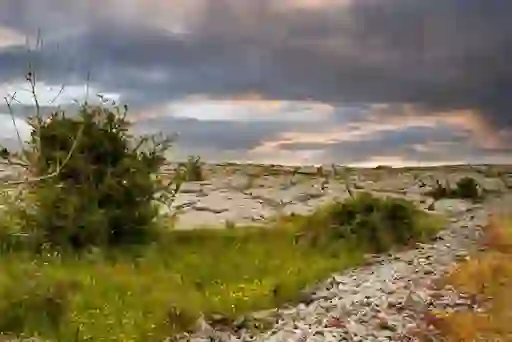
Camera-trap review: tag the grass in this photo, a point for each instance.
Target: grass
(151, 292)
(487, 280)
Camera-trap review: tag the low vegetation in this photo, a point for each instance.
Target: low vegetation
(487, 280)
(372, 223)
(85, 256)
(466, 188)
(162, 288)
(192, 169)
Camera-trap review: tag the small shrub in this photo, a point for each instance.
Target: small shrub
(193, 169)
(467, 188)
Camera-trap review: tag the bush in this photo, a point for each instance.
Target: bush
(467, 188)
(377, 224)
(193, 171)
(102, 192)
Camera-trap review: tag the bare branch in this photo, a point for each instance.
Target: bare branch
(58, 94)
(11, 113)
(7, 158)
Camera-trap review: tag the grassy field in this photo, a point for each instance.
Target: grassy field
(487, 279)
(147, 293)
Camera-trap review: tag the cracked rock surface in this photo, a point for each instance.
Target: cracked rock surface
(250, 194)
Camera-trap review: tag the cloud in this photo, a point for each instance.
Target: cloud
(21, 93)
(209, 65)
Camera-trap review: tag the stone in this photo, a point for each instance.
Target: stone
(416, 301)
(308, 170)
(191, 188)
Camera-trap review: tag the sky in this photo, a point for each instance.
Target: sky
(355, 82)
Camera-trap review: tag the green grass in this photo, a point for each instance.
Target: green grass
(148, 293)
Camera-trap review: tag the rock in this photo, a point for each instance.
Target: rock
(308, 170)
(456, 206)
(416, 301)
(493, 184)
(202, 327)
(209, 209)
(191, 188)
(304, 197)
(385, 323)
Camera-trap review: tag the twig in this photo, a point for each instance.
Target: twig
(11, 113)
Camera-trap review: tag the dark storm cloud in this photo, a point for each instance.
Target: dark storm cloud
(441, 53)
(438, 54)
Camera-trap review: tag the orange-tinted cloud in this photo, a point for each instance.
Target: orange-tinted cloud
(10, 37)
(482, 133)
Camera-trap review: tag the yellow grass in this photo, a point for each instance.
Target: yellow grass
(487, 279)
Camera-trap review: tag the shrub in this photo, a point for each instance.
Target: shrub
(377, 224)
(193, 170)
(467, 187)
(97, 189)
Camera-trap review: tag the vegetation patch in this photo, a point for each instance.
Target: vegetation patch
(466, 188)
(192, 169)
(372, 223)
(487, 280)
(152, 291)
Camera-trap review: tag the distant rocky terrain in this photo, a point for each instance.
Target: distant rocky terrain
(250, 194)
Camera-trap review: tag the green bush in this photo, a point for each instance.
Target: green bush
(467, 188)
(375, 223)
(96, 182)
(193, 171)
